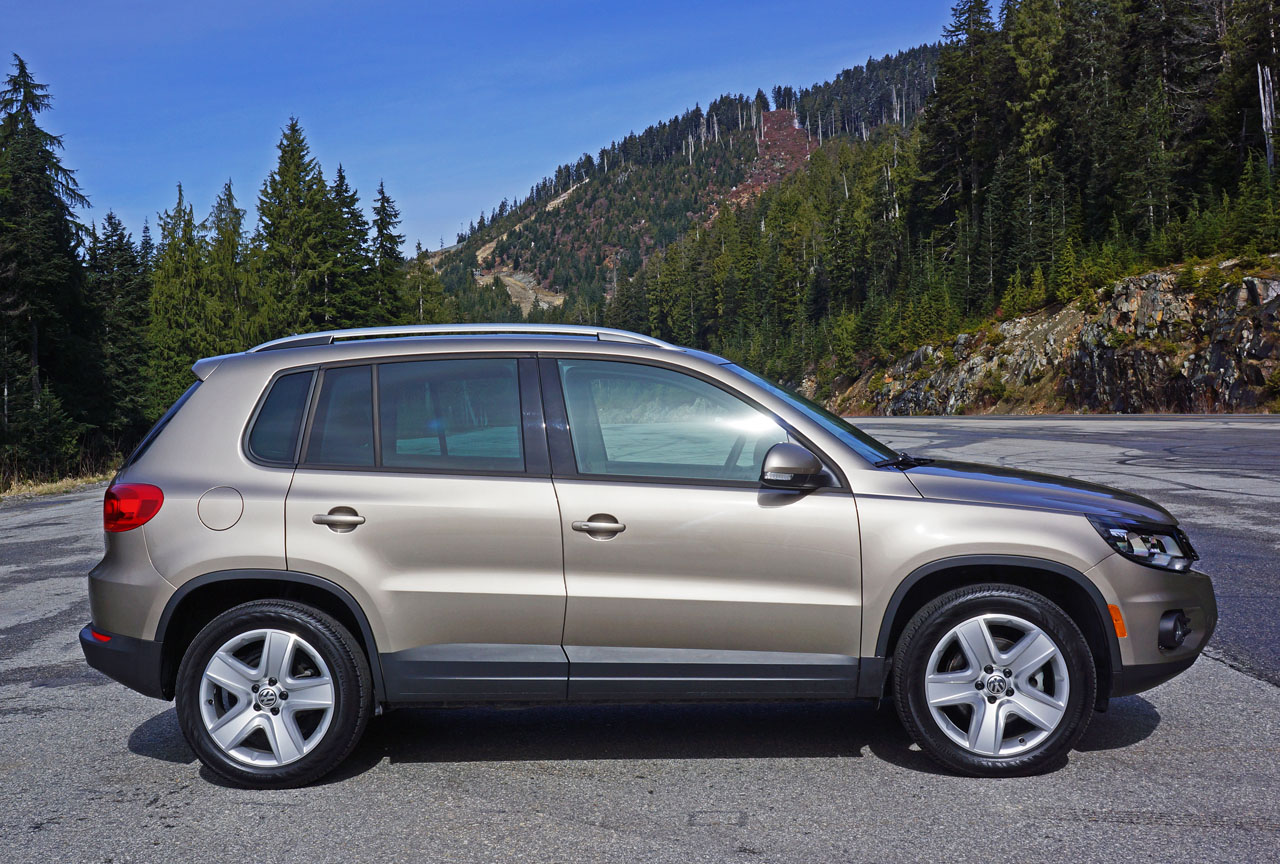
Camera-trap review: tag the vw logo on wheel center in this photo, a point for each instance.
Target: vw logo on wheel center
(996, 685)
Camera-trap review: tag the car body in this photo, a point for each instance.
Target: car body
(521, 513)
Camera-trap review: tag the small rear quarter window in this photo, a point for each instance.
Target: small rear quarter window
(274, 436)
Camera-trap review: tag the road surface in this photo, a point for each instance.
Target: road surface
(90, 771)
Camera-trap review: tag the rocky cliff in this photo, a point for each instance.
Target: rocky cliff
(1168, 341)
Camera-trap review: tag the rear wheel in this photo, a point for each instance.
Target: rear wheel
(994, 680)
(273, 693)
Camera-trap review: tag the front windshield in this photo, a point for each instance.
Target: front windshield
(862, 443)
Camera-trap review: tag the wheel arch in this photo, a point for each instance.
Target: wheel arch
(1064, 585)
(200, 600)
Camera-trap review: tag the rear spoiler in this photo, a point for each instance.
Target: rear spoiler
(204, 368)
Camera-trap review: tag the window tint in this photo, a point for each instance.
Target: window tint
(274, 437)
(342, 431)
(643, 421)
(450, 414)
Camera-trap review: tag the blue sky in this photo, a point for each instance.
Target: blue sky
(455, 106)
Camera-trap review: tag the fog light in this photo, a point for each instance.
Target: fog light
(1175, 626)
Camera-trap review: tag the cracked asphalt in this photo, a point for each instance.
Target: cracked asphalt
(90, 771)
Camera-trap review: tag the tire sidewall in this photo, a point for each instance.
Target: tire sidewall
(938, 619)
(352, 692)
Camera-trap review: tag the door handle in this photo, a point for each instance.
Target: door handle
(340, 519)
(599, 524)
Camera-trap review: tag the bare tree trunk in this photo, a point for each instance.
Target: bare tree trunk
(35, 359)
(1266, 96)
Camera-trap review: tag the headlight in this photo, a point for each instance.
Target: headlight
(1163, 546)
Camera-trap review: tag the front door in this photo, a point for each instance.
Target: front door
(418, 492)
(686, 578)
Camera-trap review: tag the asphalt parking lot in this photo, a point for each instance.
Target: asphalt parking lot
(90, 771)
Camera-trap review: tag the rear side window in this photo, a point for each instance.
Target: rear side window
(275, 432)
(342, 430)
(459, 415)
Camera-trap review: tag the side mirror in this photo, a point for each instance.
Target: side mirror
(790, 466)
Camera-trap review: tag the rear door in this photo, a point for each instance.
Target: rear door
(424, 489)
(686, 578)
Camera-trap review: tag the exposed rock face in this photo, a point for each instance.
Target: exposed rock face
(1151, 345)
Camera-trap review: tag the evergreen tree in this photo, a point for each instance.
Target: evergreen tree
(425, 293)
(39, 240)
(179, 305)
(349, 295)
(119, 291)
(290, 236)
(388, 261)
(231, 317)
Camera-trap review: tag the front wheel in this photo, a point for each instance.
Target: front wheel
(994, 680)
(273, 694)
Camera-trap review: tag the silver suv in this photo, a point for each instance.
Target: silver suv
(332, 524)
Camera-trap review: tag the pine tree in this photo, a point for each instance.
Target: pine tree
(1065, 281)
(348, 292)
(963, 109)
(629, 308)
(230, 313)
(290, 236)
(39, 239)
(1014, 301)
(179, 314)
(1037, 293)
(119, 290)
(388, 261)
(425, 293)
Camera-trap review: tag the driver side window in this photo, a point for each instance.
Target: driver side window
(633, 420)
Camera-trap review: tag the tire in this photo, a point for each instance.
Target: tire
(273, 694)
(1015, 724)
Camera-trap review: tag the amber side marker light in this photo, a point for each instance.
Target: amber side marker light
(1118, 620)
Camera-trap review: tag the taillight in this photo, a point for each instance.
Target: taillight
(129, 505)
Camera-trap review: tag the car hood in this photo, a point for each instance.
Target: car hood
(990, 484)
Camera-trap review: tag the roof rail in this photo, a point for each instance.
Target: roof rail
(604, 334)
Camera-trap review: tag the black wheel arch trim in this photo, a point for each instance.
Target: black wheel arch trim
(1020, 561)
(337, 591)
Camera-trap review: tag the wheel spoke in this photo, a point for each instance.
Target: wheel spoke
(310, 697)
(1032, 651)
(975, 642)
(986, 729)
(228, 672)
(1037, 708)
(951, 688)
(234, 726)
(277, 654)
(285, 739)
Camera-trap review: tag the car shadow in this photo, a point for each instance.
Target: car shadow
(161, 738)
(557, 733)
(1126, 722)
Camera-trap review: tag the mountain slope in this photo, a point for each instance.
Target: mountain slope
(596, 221)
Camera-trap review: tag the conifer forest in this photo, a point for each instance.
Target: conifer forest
(1041, 150)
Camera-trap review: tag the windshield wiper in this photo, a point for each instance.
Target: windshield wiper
(903, 460)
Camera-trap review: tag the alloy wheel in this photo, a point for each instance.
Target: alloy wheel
(997, 685)
(267, 697)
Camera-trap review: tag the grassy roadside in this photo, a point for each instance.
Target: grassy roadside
(31, 488)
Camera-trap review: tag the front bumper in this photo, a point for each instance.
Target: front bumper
(1144, 595)
(133, 662)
